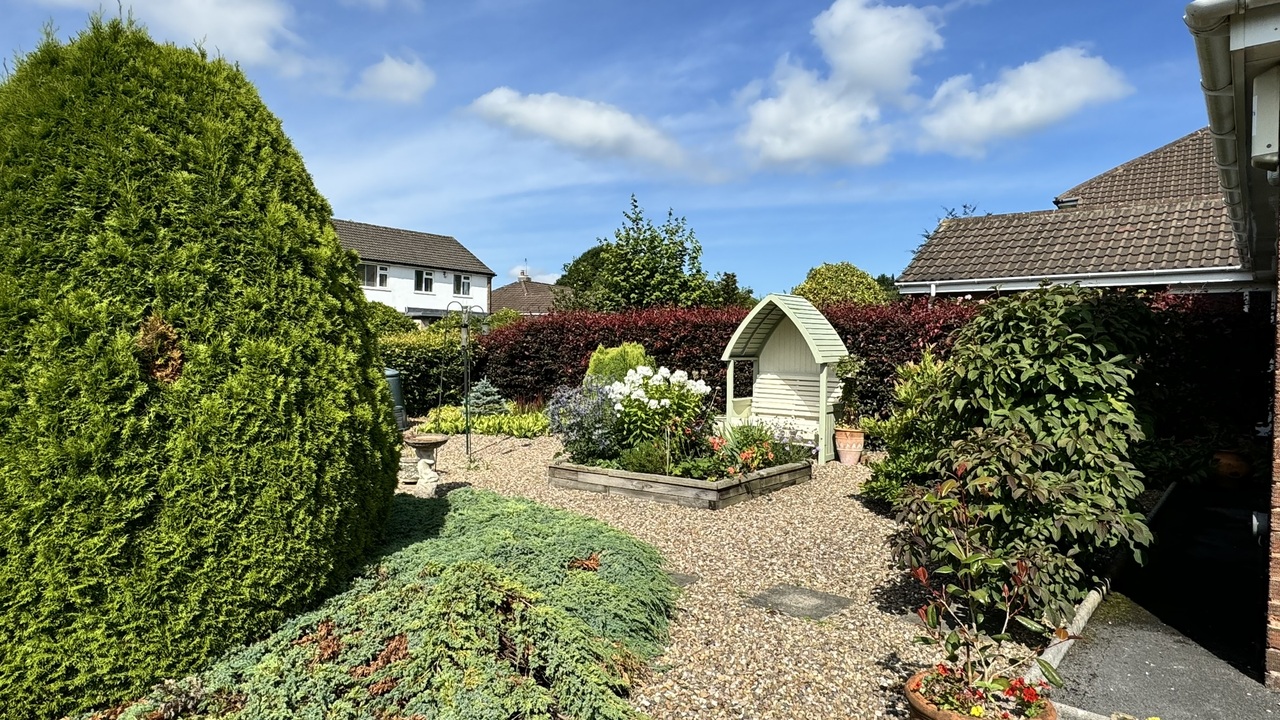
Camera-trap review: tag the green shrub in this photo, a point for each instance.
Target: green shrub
(610, 365)
(386, 320)
(1036, 408)
(431, 368)
(842, 282)
(493, 607)
(914, 434)
(196, 440)
(484, 399)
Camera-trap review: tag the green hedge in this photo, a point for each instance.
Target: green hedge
(196, 440)
(493, 607)
(431, 367)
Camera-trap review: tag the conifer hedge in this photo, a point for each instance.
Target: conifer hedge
(195, 437)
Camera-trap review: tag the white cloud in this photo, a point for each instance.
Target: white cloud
(253, 32)
(871, 50)
(382, 4)
(535, 274)
(586, 126)
(962, 120)
(395, 80)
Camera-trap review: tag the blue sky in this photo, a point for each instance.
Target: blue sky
(789, 132)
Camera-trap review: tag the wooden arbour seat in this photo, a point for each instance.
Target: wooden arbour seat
(793, 350)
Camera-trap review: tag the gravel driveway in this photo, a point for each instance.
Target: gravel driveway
(729, 659)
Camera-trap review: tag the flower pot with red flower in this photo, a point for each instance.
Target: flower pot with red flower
(981, 674)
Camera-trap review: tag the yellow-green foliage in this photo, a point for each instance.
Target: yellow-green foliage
(451, 420)
(490, 607)
(842, 282)
(609, 365)
(431, 367)
(196, 440)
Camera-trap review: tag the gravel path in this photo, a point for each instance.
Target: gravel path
(728, 659)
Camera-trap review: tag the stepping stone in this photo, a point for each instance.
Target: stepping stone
(683, 579)
(800, 602)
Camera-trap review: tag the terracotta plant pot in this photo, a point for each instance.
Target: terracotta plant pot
(849, 445)
(922, 709)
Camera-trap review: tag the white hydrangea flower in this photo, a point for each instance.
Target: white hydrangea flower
(638, 394)
(657, 380)
(644, 371)
(665, 402)
(679, 376)
(617, 406)
(653, 404)
(664, 372)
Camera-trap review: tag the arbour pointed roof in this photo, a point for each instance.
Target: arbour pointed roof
(754, 331)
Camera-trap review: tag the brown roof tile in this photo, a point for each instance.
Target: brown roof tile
(1170, 236)
(376, 243)
(526, 296)
(1183, 169)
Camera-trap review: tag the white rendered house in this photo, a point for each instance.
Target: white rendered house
(420, 274)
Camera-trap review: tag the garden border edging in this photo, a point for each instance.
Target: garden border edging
(671, 490)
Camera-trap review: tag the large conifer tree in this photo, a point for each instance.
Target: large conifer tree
(195, 437)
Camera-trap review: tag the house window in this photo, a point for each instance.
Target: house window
(461, 284)
(424, 281)
(372, 275)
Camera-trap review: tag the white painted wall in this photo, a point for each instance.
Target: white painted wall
(399, 292)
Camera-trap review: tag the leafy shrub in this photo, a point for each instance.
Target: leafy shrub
(386, 320)
(660, 407)
(648, 457)
(583, 417)
(451, 420)
(493, 607)
(484, 399)
(431, 368)
(1036, 408)
(610, 365)
(842, 282)
(195, 436)
(914, 434)
(751, 446)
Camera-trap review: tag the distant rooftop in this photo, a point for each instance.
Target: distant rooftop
(376, 243)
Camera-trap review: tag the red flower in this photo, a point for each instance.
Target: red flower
(1030, 694)
(943, 670)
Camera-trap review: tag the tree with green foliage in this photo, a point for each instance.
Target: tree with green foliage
(386, 320)
(196, 440)
(646, 266)
(842, 282)
(886, 283)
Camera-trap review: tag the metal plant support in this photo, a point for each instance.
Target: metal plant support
(466, 361)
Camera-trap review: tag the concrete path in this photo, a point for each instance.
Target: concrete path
(1128, 661)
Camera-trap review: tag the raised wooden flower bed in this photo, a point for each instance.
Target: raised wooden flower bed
(704, 494)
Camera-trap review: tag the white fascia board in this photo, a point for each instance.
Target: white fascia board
(1190, 276)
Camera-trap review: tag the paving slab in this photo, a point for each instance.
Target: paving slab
(683, 579)
(800, 602)
(1128, 661)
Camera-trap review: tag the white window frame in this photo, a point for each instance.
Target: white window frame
(379, 276)
(427, 277)
(461, 285)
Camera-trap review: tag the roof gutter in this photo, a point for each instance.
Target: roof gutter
(1233, 275)
(1210, 25)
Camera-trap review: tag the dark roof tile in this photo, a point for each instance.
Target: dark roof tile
(526, 296)
(376, 243)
